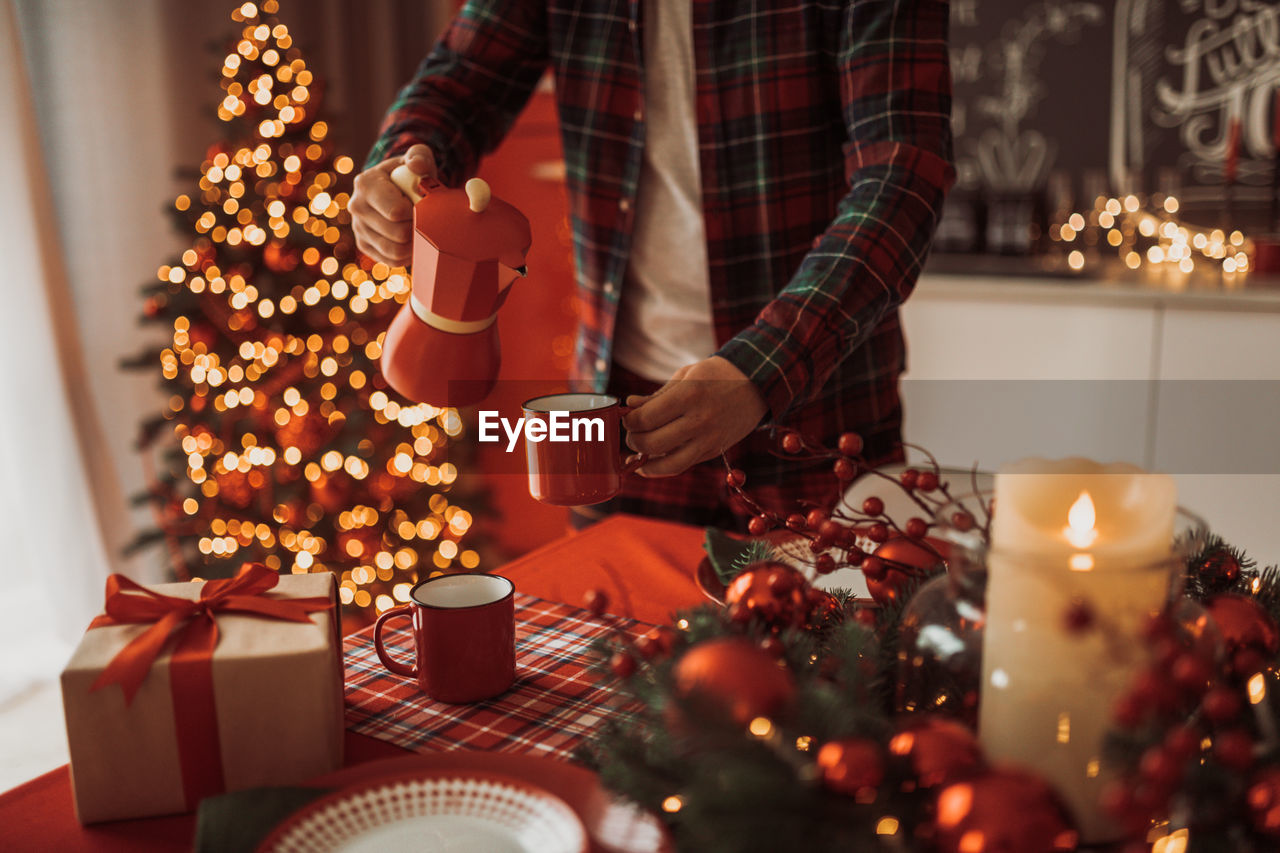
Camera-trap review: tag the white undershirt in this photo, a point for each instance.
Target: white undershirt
(664, 319)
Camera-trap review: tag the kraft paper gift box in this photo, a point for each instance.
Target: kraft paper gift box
(264, 707)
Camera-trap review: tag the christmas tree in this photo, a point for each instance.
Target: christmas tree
(281, 442)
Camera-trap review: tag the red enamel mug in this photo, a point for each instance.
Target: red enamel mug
(578, 458)
(463, 637)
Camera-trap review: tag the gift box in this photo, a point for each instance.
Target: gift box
(181, 691)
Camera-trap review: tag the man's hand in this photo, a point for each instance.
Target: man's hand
(381, 215)
(703, 410)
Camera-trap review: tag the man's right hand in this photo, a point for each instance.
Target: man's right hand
(381, 215)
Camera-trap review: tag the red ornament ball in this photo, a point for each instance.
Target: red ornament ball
(939, 750)
(844, 470)
(759, 525)
(1264, 802)
(772, 593)
(734, 677)
(927, 481)
(873, 506)
(792, 443)
(735, 477)
(909, 478)
(852, 766)
(825, 564)
(904, 560)
(1244, 624)
(1002, 810)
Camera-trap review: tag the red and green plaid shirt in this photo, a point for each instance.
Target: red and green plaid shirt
(825, 152)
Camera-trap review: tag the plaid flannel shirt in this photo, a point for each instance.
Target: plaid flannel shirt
(825, 153)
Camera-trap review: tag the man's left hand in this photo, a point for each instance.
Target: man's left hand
(706, 408)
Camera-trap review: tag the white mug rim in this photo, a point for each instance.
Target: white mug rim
(527, 405)
(413, 593)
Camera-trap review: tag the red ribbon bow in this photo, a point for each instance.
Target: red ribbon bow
(194, 626)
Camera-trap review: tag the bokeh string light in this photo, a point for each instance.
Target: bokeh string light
(1147, 233)
(290, 449)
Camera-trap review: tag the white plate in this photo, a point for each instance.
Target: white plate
(449, 813)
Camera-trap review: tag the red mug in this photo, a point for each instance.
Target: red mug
(463, 637)
(579, 459)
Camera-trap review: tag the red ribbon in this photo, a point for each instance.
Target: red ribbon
(194, 628)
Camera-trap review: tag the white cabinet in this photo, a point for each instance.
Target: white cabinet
(1187, 383)
(995, 379)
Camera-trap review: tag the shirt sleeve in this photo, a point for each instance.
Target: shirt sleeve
(895, 90)
(468, 91)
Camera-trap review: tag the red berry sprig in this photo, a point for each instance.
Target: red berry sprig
(832, 533)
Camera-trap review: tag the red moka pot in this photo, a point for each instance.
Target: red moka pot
(468, 249)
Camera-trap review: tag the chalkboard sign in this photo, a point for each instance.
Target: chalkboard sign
(1194, 98)
(1056, 102)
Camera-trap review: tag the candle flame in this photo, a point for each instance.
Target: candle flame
(1080, 530)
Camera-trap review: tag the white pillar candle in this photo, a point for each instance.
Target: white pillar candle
(1062, 531)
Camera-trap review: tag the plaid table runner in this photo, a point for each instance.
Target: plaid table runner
(555, 702)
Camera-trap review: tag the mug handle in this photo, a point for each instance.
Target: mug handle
(387, 661)
(637, 460)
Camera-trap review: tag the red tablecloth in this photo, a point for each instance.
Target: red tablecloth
(645, 566)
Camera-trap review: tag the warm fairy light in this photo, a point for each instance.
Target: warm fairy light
(1257, 688)
(1080, 530)
(761, 727)
(673, 804)
(887, 825)
(1175, 842)
(1075, 260)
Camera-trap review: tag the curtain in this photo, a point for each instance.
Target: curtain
(105, 101)
(54, 556)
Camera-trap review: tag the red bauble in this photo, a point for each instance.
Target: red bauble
(1244, 625)
(852, 766)
(905, 561)
(771, 593)
(1264, 802)
(1002, 810)
(939, 750)
(734, 677)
